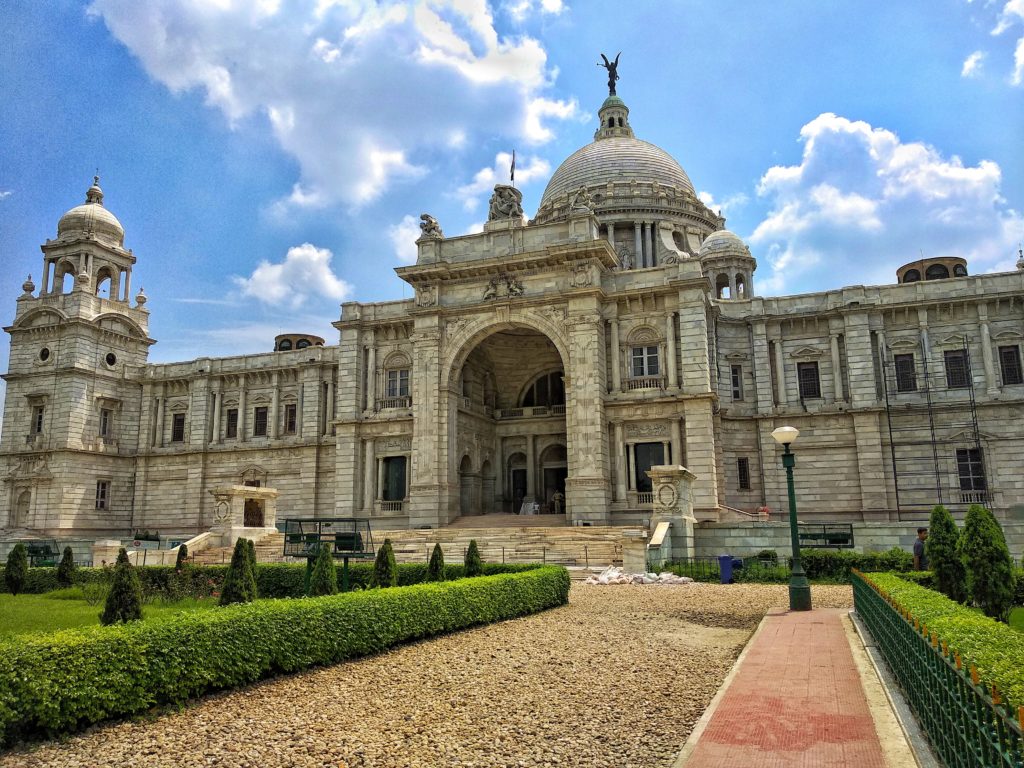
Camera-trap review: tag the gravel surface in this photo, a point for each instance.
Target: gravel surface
(617, 678)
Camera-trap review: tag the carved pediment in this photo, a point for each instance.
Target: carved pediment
(178, 406)
(807, 353)
(737, 357)
(644, 335)
(958, 340)
(1008, 335)
(903, 344)
(967, 436)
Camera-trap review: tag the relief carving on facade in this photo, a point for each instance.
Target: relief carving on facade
(503, 286)
(581, 276)
(426, 296)
(647, 429)
(395, 444)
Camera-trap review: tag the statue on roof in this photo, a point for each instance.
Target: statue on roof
(613, 71)
(506, 203)
(429, 227)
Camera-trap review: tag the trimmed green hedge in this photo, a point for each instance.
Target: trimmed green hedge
(65, 680)
(272, 579)
(836, 564)
(993, 647)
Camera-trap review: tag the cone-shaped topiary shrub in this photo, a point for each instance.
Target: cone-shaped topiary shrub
(250, 559)
(385, 569)
(124, 601)
(987, 563)
(66, 568)
(435, 568)
(474, 565)
(182, 557)
(324, 578)
(239, 582)
(943, 555)
(16, 570)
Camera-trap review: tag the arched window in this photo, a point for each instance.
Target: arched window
(936, 272)
(546, 390)
(302, 343)
(396, 376)
(722, 289)
(105, 283)
(285, 345)
(644, 354)
(911, 276)
(741, 287)
(959, 271)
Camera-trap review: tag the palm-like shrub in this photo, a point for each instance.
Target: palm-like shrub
(324, 578)
(66, 568)
(240, 580)
(987, 562)
(944, 556)
(385, 569)
(474, 565)
(16, 570)
(435, 568)
(124, 601)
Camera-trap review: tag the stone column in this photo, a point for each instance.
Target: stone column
(780, 372)
(127, 285)
(732, 284)
(46, 277)
(665, 451)
(630, 463)
(616, 356)
(275, 404)
(241, 409)
(369, 475)
(329, 408)
(429, 493)
(159, 442)
(638, 259)
(670, 364)
(676, 434)
(620, 463)
(531, 485)
(649, 244)
(837, 369)
(991, 384)
(371, 379)
(700, 455)
(218, 398)
(611, 235)
(380, 477)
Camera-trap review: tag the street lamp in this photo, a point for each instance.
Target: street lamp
(799, 587)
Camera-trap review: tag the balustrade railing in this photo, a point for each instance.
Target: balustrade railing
(385, 403)
(391, 506)
(644, 382)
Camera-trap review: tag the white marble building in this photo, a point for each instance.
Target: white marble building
(618, 329)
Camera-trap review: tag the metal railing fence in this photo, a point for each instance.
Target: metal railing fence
(968, 725)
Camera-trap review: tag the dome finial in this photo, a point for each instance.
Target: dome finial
(94, 194)
(613, 71)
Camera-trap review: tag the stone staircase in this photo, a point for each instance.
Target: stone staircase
(594, 546)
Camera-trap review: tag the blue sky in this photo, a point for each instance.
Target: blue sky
(269, 159)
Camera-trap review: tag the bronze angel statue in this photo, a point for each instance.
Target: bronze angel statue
(613, 71)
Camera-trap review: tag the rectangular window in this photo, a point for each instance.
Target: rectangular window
(394, 478)
(231, 428)
(737, 382)
(178, 428)
(743, 468)
(102, 494)
(37, 419)
(645, 361)
(106, 422)
(647, 455)
(958, 372)
(810, 383)
(1009, 365)
(970, 469)
(398, 384)
(289, 418)
(259, 421)
(906, 373)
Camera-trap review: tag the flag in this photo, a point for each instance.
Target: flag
(512, 170)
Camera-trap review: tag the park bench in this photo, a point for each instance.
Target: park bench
(825, 535)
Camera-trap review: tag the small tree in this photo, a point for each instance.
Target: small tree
(324, 578)
(474, 565)
(182, 558)
(66, 568)
(124, 601)
(943, 555)
(239, 584)
(385, 569)
(16, 570)
(250, 552)
(987, 563)
(435, 568)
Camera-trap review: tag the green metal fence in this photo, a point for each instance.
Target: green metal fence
(967, 724)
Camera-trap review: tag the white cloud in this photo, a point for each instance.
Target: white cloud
(520, 10)
(305, 273)
(403, 236)
(528, 169)
(5, 193)
(728, 204)
(359, 93)
(1012, 15)
(862, 202)
(972, 65)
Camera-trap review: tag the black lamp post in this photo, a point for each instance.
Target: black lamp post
(799, 587)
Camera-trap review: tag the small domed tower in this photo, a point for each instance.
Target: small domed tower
(727, 263)
(73, 398)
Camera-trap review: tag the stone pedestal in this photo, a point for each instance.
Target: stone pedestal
(673, 503)
(229, 514)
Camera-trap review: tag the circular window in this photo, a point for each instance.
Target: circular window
(44, 354)
(111, 358)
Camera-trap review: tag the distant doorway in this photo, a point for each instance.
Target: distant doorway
(253, 513)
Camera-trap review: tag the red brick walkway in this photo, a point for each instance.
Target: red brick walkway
(796, 701)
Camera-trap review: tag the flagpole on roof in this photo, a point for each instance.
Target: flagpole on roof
(512, 170)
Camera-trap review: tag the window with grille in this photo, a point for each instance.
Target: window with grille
(102, 494)
(178, 428)
(37, 419)
(737, 382)
(743, 468)
(1009, 365)
(290, 410)
(906, 373)
(106, 422)
(971, 469)
(810, 383)
(958, 373)
(645, 361)
(398, 382)
(231, 427)
(259, 421)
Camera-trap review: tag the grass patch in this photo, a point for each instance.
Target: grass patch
(68, 609)
(1017, 619)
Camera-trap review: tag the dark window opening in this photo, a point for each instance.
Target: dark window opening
(911, 276)
(647, 455)
(936, 272)
(959, 271)
(259, 421)
(285, 345)
(102, 494)
(231, 428)
(645, 361)
(302, 344)
(111, 358)
(44, 354)
(547, 390)
(1009, 365)
(178, 428)
(971, 469)
(958, 372)
(737, 382)
(906, 373)
(810, 382)
(743, 469)
(290, 410)
(37, 419)
(394, 478)
(106, 422)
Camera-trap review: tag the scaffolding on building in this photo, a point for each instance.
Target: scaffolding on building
(934, 441)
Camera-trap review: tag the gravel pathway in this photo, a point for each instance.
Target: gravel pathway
(617, 678)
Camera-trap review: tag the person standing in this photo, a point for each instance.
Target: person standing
(920, 555)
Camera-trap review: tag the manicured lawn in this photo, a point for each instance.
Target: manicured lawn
(66, 609)
(1017, 619)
